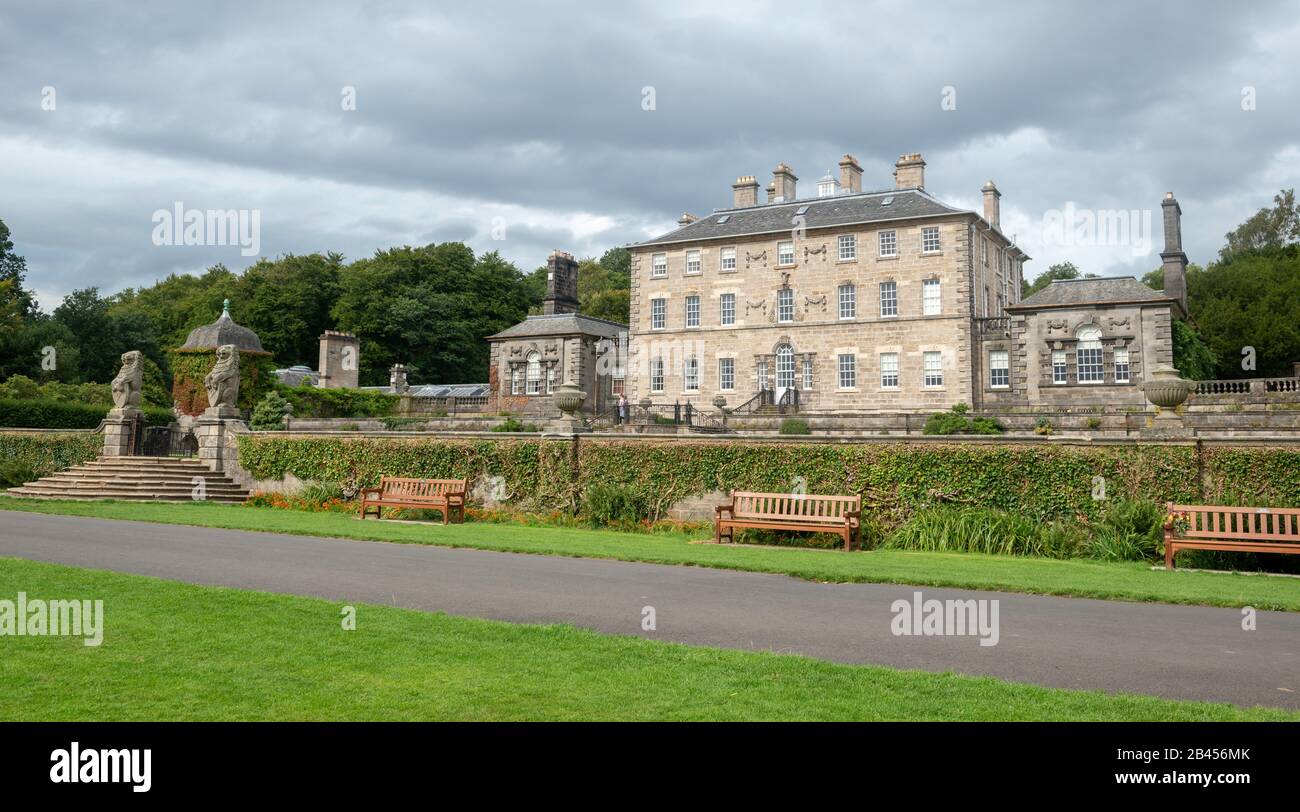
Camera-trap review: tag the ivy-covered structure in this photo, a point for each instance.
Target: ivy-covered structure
(195, 358)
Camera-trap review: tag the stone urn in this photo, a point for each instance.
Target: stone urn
(569, 398)
(1165, 389)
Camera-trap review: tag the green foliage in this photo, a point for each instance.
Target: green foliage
(310, 401)
(1192, 356)
(967, 530)
(1094, 423)
(1043, 426)
(513, 424)
(614, 506)
(14, 473)
(45, 453)
(43, 413)
(1249, 301)
(190, 367)
(1266, 230)
(1129, 530)
(1060, 271)
(270, 412)
(955, 422)
(795, 425)
(20, 387)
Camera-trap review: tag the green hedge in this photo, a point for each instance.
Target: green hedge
(309, 401)
(1255, 475)
(56, 414)
(47, 453)
(896, 479)
(534, 473)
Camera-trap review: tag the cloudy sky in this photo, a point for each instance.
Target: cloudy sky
(523, 127)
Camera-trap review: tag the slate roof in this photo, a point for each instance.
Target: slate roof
(1105, 290)
(837, 210)
(221, 332)
(561, 324)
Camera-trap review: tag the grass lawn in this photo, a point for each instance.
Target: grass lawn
(1081, 578)
(174, 651)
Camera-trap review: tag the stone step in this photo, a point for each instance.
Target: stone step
(143, 496)
(167, 487)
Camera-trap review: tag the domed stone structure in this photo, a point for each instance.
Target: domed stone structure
(192, 361)
(221, 332)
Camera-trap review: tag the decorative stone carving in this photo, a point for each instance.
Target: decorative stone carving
(759, 305)
(1114, 322)
(129, 382)
(807, 251)
(811, 301)
(1055, 325)
(222, 382)
(1166, 389)
(760, 256)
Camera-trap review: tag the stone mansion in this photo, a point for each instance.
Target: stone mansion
(891, 300)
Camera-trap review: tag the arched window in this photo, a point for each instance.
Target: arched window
(534, 373)
(1088, 354)
(784, 366)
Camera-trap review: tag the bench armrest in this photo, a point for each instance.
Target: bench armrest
(721, 509)
(365, 491)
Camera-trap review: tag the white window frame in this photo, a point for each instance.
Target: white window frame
(1093, 371)
(888, 299)
(999, 369)
(931, 297)
(807, 373)
(727, 258)
(533, 376)
(658, 266)
(847, 367)
(690, 374)
(727, 309)
(781, 249)
(785, 305)
(658, 313)
(1060, 368)
(1122, 367)
(889, 376)
(932, 369)
(657, 374)
(848, 301)
(517, 380)
(692, 310)
(785, 377)
(694, 264)
(727, 374)
(930, 241)
(888, 243)
(848, 245)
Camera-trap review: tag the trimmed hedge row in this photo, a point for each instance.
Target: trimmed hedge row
(896, 479)
(533, 473)
(47, 453)
(57, 414)
(310, 401)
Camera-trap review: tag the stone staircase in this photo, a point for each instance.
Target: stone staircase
(165, 479)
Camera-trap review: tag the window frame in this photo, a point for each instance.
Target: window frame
(890, 285)
(727, 374)
(849, 241)
(886, 370)
(698, 262)
(926, 285)
(723, 258)
(932, 378)
(783, 293)
(846, 365)
(926, 233)
(658, 270)
(848, 301)
(780, 253)
(658, 313)
(892, 240)
(723, 300)
(1002, 380)
(691, 307)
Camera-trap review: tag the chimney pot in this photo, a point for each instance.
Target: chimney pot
(909, 172)
(783, 181)
(744, 192)
(992, 205)
(850, 174)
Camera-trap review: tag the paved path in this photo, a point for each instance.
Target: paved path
(1186, 652)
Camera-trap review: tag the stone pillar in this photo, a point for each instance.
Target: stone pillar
(119, 431)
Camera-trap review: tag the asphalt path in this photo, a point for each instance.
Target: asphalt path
(1181, 652)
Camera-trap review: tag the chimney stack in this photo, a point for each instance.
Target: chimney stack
(340, 360)
(771, 192)
(1175, 261)
(686, 219)
(783, 181)
(909, 172)
(561, 284)
(993, 205)
(744, 192)
(850, 174)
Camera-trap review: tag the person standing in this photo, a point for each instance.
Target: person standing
(622, 408)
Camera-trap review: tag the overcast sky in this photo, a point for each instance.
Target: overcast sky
(522, 127)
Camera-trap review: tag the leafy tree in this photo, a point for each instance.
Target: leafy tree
(1249, 301)
(1059, 271)
(1266, 230)
(287, 302)
(15, 300)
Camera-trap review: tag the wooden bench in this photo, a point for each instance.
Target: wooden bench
(1232, 529)
(841, 515)
(446, 495)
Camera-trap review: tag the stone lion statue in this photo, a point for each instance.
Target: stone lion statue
(129, 382)
(223, 381)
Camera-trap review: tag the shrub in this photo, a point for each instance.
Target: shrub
(967, 530)
(270, 412)
(614, 505)
(310, 401)
(512, 424)
(1043, 426)
(43, 413)
(44, 454)
(1094, 423)
(795, 425)
(960, 408)
(16, 472)
(1129, 530)
(955, 422)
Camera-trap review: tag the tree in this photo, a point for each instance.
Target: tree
(14, 298)
(602, 292)
(1266, 230)
(1059, 271)
(287, 302)
(1246, 309)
